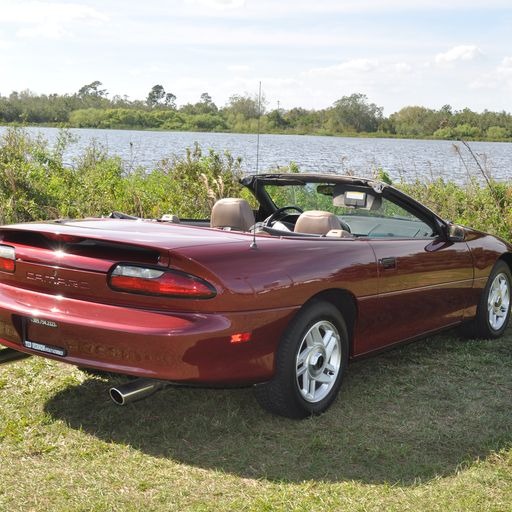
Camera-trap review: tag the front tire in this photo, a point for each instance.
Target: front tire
(493, 312)
(310, 364)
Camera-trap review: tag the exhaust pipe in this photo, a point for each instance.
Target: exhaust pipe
(135, 390)
(9, 355)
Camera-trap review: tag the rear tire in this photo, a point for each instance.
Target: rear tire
(310, 364)
(493, 312)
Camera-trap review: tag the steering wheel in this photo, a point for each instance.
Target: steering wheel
(279, 213)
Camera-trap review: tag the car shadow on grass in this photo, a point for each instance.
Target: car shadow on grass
(407, 415)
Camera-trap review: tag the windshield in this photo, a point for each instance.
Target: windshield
(389, 218)
(305, 196)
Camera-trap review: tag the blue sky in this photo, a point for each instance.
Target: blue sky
(305, 53)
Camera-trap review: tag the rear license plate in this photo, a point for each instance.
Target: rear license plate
(35, 329)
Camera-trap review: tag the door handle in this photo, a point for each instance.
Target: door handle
(387, 263)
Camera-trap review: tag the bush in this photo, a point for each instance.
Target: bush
(35, 184)
(464, 131)
(31, 175)
(187, 186)
(446, 133)
(497, 133)
(481, 207)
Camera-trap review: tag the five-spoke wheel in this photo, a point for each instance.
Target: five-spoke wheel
(493, 311)
(310, 363)
(498, 301)
(318, 361)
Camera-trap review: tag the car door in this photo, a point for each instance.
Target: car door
(424, 281)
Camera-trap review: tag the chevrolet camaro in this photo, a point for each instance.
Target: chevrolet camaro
(279, 289)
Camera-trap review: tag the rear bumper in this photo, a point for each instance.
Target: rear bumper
(188, 347)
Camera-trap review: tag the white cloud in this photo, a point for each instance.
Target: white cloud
(506, 66)
(283, 8)
(46, 30)
(47, 19)
(349, 67)
(264, 9)
(218, 4)
(484, 83)
(500, 77)
(403, 67)
(41, 12)
(504, 74)
(239, 68)
(459, 53)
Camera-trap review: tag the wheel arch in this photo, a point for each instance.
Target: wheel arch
(507, 258)
(346, 304)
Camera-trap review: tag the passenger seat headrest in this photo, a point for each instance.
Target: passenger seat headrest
(233, 213)
(317, 222)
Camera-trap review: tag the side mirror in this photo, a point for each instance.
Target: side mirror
(456, 233)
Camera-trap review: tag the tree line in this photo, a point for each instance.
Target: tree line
(91, 107)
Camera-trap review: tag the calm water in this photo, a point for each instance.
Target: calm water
(407, 159)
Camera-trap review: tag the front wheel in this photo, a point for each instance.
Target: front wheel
(493, 313)
(310, 364)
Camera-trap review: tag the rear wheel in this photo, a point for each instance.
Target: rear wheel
(493, 313)
(310, 364)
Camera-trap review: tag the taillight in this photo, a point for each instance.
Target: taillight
(7, 258)
(154, 281)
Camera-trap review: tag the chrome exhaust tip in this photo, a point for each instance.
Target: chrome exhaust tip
(9, 355)
(134, 390)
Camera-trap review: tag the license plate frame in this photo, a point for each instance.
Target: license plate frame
(40, 346)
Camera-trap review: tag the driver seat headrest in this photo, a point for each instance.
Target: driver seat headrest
(232, 213)
(317, 222)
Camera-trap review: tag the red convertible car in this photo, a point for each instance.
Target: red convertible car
(278, 290)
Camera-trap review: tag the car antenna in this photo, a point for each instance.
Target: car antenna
(254, 245)
(258, 132)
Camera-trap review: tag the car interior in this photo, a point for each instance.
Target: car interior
(340, 210)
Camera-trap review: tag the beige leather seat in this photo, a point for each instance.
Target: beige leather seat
(317, 222)
(232, 213)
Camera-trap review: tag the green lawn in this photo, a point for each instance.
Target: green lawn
(424, 427)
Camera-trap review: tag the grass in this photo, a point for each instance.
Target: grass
(424, 427)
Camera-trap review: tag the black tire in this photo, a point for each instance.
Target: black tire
(493, 314)
(321, 332)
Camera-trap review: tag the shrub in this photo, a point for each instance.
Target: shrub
(35, 185)
(187, 185)
(497, 133)
(30, 176)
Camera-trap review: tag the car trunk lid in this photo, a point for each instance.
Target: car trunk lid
(73, 259)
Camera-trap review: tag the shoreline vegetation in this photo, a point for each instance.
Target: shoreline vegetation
(350, 116)
(36, 184)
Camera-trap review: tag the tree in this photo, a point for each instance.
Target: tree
(91, 96)
(206, 98)
(276, 120)
(155, 95)
(245, 106)
(158, 96)
(170, 100)
(92, 89)
(355, 113)
(204, 106)
(415, 121)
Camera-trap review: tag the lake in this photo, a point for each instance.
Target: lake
(401, 158)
